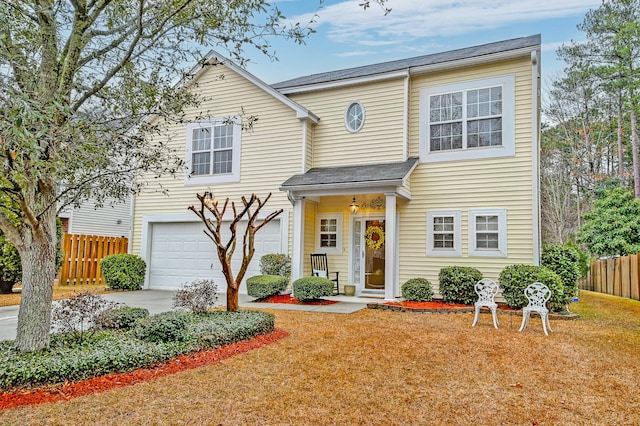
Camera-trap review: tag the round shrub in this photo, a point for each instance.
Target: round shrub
(124, 317)
(515, 278)
(123, 271)
(457, 284)
(262, 286)
(309, 288)
(164, 327)
(275, 264)
(564, 260)
(417, 290)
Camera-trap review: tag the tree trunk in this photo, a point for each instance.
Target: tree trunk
(620, 141)
(232, 298)
(635, 148)
(38, 273)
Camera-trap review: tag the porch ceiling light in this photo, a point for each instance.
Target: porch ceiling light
(354, 206)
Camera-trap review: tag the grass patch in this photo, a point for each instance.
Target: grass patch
(379, 367)
(59, 292)
(109, 351)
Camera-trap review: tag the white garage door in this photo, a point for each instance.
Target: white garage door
(181, 252)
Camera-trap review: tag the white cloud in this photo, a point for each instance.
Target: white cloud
(411, 19)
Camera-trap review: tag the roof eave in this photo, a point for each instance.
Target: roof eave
(474, 61)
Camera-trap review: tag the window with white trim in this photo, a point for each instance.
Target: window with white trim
(473, 119)
(488, 232)
(213, 151)
(444, 236)
(329, 233)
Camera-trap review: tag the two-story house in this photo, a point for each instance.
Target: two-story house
(394, 170)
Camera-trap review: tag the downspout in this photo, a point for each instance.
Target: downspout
(405, 124)
(535, 149)
(304, 145)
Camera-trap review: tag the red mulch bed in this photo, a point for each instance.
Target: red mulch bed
(180, 363)
(290, 300)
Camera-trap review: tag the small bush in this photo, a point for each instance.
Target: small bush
(197, 296)
(123, 271)
(122, 318)
(163, 327)
(417, 290)
(309, 288)
(276, 264)
(564, 260)
(457, 284)
(515, 278)
(76, 315)
(262, 286)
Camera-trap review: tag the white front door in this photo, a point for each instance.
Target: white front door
(368, 254)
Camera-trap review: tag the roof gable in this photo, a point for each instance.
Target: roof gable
(215, 58)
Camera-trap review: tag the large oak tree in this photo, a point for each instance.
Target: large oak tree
(78, 78)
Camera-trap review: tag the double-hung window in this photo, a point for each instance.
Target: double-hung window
(488, 232)
(213, 151)
(329, 236)
(444, 233)
(473, 119)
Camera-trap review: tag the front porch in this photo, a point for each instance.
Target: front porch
(352, 214)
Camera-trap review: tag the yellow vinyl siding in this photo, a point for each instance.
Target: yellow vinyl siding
(505, 183)
(380, 139)
(270, 153)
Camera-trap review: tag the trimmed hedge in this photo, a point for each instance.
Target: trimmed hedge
(123, 271)
(457, 284)
(124, 317)
(309, 288)
(417, 290)
(112, 351)
(515, 278)
(164, 327)
(262, 286)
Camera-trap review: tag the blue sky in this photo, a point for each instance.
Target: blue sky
(348, 36)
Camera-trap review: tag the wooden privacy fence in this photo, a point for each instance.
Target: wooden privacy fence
(82, 256)
(619, 276)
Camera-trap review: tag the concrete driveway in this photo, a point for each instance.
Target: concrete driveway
(157, 301)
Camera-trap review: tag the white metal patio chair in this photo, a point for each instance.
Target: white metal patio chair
(486, 289)
(538, 295)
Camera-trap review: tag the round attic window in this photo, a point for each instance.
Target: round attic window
(354, 116)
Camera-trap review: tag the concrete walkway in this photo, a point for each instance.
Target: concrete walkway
(157, 301)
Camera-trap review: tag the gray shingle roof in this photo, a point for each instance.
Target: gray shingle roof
(367, 173)
(418, 61)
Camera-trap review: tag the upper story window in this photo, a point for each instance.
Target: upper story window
(444, 233)
(213, 152)
(329, 236)
(473, 119)
(354, 116)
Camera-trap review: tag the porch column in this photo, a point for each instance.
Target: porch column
(297, 246)
(390, 263)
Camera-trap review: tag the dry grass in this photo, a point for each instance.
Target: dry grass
(59, 292)
(385, 368)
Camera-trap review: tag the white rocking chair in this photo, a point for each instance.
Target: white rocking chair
(538, 295)
(486, 290)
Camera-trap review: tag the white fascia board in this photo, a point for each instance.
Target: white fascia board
(479, 60)
(301, 112)
(344, 82)
(349, 189)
